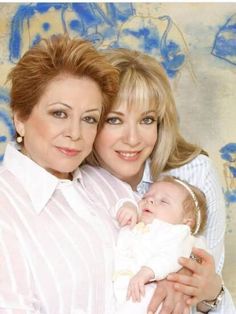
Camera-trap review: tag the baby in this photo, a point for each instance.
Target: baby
(169, 216)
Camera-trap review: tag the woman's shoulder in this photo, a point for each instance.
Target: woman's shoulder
(95, 172)
(104, 181)
(5, 174)
(198, 171)
(201, 162)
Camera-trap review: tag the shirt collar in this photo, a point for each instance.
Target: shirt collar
(147, 177)
(77, 175)
(39, 183)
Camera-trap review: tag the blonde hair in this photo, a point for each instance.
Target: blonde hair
(55, 56)
(143, 82)
(189, 205)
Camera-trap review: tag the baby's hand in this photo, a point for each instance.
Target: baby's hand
(136, 288)
(127, 215)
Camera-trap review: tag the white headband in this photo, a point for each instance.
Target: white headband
(197, 212)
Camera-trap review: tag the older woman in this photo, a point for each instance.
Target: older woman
(55, 248)
(141, 139)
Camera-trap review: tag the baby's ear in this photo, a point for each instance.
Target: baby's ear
(189, 222)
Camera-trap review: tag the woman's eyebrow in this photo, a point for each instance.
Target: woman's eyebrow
(148, 112)
(60, 103)
(116, 112)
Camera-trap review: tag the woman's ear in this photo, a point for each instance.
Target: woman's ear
(19, 125)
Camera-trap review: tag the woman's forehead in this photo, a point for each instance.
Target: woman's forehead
(134, 104)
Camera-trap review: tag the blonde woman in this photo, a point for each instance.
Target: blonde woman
(139, 140)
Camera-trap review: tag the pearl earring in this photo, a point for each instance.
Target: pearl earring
(19, 139)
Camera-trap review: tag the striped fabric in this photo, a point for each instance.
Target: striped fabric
(57, 239)
(56, 250)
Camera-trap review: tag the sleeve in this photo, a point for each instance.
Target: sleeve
(215, 230)
(178, 242)
(16, 295)
(225, 306)
(202, 173)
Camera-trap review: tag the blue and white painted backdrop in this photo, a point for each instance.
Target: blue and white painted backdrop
(196, 44)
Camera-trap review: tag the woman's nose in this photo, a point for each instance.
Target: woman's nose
(132, 136)
(74, 131)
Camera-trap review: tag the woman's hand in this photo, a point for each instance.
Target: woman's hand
(173, 302)
(204, 284)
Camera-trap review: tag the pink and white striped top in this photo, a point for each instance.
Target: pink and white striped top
(57, 242)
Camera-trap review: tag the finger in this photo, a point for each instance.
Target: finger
(156, 300)
(124, 219)
(120, 214)
(180, 308)
(187, 290)
(129, 293)
(192, 301)
(190, 264)
(133, 221)
(204, 255)
(167, 307)
(142, 290)
(186, 310)
(184, 280)
(137, 292)
(133, 292)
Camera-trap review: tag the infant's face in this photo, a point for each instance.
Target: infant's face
(163, 201)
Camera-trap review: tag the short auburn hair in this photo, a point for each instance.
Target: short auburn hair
(55, 56)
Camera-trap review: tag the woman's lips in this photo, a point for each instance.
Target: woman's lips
(128, 156)
(68, 151)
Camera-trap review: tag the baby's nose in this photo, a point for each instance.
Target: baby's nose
(149, 201)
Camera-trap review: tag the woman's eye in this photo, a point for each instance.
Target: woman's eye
(148, 120)
(90, 120)
(113, 120)
(59, 114)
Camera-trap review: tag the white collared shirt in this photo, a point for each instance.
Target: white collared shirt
(56, 250)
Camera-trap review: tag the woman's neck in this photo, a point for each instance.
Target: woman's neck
(135, 180)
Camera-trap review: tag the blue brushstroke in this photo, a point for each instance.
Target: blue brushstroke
(171, 53)
(4, 96)
(233, 171)
(4, 117)
(89, 18)
(46, 26)
(23, 15)
(94, 24)
(224, 46)
(153, 41)
(146, 36)
(230, 196)
(228, 153)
